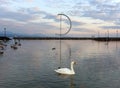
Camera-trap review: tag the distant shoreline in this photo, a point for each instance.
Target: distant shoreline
(71, 38)
(4, 38)
(65, 38)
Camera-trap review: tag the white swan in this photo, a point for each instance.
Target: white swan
(66, 71)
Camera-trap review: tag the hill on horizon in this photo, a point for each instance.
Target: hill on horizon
(11, 34)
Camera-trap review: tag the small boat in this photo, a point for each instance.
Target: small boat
(53, 48)
(1, 47)
(14, 47)
(1, 52)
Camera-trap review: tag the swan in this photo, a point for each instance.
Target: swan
(66, 71)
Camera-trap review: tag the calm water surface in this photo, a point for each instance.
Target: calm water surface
(32, 65)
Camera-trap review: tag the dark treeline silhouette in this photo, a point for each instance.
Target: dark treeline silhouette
(71, 38)
(65, 38)
(4, 38)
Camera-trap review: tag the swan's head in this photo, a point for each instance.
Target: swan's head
(73, 62)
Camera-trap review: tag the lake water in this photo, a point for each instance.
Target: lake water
(32, 65)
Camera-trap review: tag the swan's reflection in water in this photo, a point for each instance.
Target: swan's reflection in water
(72, 84)
(71, 79)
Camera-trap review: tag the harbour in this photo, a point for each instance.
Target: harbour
(32, 64)
(59, 44)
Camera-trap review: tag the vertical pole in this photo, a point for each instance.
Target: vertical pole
(117, 33)
(98, 34)
(60, 37)
(4, 32)
(108, 34)
(116, 38)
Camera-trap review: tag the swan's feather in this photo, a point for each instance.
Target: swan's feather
(64, 71)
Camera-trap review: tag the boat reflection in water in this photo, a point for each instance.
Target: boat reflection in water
(15, 44)
(3, 45)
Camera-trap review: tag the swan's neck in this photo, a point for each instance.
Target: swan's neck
(72, 68)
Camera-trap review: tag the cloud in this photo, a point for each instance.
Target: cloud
(97, 23)
(117, 22)
(110, 27)
(32, 18)
(61, 5)
(29, 28)
(25, 14)
(76, 23)
(2, 2)
(15, 15)
(29, 20)
(82, 30)
(29, 0)
(51, 17)
(64, 20)
(22, 1)
(97, 9)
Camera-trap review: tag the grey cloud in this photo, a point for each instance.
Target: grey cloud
(31, 11)
(25, 14)
(18, 27)
(76, 23)
(50, 16)
(110, 27)
(15, 15)
(82, 30)
(96, 23)
(97, 15)
(97, 9)
(117, 22)
(4, 2)
(59, 4)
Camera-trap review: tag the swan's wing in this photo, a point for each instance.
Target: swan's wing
(63, 70)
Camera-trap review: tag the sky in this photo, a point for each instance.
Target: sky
(89, 17)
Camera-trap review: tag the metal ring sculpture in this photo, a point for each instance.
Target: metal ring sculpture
(69, 23)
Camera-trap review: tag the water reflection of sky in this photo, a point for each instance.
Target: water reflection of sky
(32, 65)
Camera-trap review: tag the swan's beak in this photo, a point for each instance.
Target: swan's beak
(75, 63)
